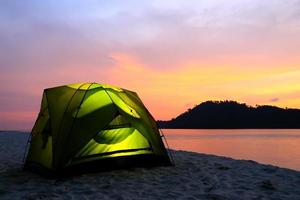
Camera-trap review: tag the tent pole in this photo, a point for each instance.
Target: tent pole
(169, 151)
(26, 148)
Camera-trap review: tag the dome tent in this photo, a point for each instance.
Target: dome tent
(91, 126)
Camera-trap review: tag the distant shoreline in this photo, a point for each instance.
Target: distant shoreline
(234, 128)
(14, 131)
(18, 131)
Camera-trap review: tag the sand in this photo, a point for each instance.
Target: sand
(195, 176)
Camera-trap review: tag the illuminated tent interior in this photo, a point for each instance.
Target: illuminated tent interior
(91, 127)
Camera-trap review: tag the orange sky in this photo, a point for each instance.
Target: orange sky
(174, 54)
(170, 92)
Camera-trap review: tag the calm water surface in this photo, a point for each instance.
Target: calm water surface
(279, 147)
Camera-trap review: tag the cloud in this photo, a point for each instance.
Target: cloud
(163, 37)
(204, 49)
(274, 100)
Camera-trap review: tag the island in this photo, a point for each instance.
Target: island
(234, 115)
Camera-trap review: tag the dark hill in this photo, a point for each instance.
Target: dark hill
(231, 114)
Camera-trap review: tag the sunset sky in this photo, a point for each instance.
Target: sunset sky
(174, 54)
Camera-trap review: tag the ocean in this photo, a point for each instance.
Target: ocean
(280, 147)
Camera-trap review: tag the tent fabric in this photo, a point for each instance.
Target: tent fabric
(80, 124)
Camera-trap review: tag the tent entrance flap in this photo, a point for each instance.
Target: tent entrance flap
(113, 152)
(114, 140)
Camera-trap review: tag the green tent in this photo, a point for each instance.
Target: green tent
(91, 126)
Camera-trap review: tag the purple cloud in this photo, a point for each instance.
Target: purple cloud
(274, 100)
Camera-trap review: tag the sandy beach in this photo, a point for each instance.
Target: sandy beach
(195, 176)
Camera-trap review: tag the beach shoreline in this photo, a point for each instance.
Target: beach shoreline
(194, 176)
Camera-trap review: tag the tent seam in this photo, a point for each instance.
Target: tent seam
(68, 135)
(63, 117)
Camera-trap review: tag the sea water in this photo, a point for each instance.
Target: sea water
(280, 147)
